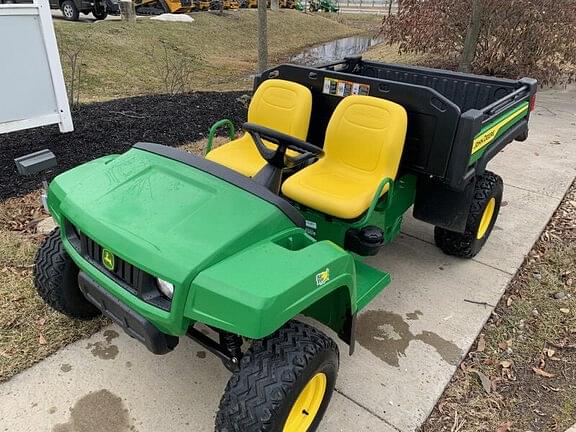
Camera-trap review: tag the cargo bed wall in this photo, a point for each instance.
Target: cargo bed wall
(465, 90)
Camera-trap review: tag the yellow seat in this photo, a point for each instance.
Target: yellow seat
(363, 146)
(277, 104)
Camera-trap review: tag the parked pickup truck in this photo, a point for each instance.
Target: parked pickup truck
(71, 9)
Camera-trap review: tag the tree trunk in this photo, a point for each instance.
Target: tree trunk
(472, 35)
(274, 5)
(127, 10)
(262, 36)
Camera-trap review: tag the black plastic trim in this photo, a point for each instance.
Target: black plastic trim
(227, 175)
(133, 324)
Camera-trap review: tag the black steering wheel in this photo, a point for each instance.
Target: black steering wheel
(278, 157)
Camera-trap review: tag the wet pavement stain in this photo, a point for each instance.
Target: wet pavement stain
(128, 364)
(387, 336)
(52, 410)
(100, 411)
(413, 316)
(65, 367)
(110, 335)
(105, 350)
(201, 354)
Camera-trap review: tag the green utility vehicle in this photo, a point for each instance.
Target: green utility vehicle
(233, 248)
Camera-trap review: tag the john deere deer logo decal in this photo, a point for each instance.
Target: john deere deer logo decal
(108, 259)
(322, 277)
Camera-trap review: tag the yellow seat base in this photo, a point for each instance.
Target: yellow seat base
(240, 155)
(332, 190)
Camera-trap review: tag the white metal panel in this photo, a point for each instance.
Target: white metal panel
(32, 89)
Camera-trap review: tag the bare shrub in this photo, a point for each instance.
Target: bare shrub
(175, 69)
(516, 37)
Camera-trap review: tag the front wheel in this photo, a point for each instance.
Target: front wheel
(100, 13)
(481, 219)
(284, 383)
(56, 280)
(70, 11)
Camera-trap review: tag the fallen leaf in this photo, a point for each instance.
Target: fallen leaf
(41, 339)
(505, 364)
(481, 344)
(543, 373)
(503, 345)
(509, 301)
(565, 310)
(504, 427)
(549, 352)
(485, 381)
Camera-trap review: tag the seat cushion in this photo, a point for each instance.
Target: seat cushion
(241, 155)
(332, 189)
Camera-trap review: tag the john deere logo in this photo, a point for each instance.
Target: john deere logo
(108, 259)
(322, 277)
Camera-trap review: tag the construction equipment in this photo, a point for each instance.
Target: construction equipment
(157, 7)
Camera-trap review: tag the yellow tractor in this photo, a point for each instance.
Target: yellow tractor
(202, 5)
(157, 7)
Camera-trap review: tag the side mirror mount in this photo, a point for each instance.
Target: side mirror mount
(34, 163)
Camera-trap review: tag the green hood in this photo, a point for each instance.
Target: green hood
(169, 218)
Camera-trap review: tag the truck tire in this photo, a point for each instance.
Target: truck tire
(481, 219)
(285, 382)
(69, 10)
(100, 13)
(56, 280)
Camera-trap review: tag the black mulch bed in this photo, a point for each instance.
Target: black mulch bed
(113, 127)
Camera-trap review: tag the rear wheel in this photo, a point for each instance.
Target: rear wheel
(481, 219)
(56, 280)
(69, 10)
(284, 383)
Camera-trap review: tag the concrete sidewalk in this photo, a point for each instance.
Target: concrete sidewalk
(410, 339)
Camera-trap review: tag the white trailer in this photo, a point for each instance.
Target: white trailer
(32, 88)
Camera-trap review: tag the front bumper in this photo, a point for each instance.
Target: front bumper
(133, 324)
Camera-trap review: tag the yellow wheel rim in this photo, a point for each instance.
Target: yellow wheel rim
(486, 218)
(307, 405)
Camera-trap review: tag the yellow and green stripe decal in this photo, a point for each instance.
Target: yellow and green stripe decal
(496, 128)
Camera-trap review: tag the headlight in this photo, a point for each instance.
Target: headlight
(165, 288)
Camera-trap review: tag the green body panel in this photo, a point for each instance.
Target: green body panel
(237, 262)
(264, 286)
(167, 218)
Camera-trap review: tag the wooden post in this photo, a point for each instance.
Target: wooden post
(262, 36)
(127, 10)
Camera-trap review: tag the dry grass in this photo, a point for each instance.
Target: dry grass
(120, 59)
(390, 54)
(527, 350)
(29, 330)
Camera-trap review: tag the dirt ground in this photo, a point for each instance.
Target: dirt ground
(520, 374)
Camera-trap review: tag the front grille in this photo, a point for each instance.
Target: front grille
(125, 272)
(128, 276)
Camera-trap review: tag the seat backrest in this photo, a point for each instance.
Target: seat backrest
(367, 134)
(282, 105)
